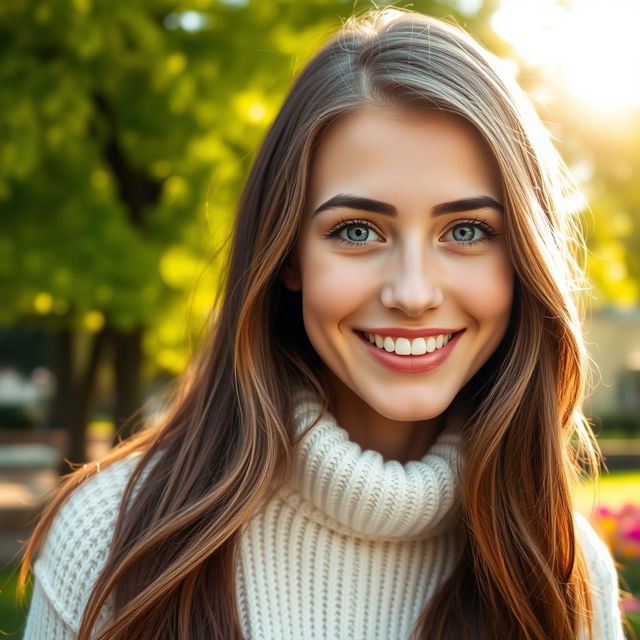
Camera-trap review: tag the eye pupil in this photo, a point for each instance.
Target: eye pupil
(357, 233)
(463, 233)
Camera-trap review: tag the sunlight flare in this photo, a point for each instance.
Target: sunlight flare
(589, 49)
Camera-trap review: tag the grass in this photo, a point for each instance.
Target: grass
(634, 622)
(12, 617)
(618, 434)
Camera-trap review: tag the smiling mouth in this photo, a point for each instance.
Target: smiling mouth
(410, 357)
(408, 347)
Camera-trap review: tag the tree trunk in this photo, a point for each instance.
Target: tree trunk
(138, 191)
(59, 415)
(127, 361)
(84, 400)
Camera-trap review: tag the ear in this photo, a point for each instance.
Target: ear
(290, 273)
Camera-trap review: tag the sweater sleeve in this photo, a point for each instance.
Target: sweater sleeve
(44, 621)
(604, 580)
(74, 553)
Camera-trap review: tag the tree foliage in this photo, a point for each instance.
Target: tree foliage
(127, 129)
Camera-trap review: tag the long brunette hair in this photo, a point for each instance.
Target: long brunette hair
(225, 444)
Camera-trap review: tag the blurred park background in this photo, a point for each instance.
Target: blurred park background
(126, 130)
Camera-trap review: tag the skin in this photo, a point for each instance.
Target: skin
(407, 271)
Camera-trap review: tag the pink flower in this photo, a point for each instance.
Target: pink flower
(633, 532)
(630, 605)
(621, 531)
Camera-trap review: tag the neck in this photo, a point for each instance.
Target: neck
(393, 439)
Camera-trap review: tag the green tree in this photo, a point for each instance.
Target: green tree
(127, 130)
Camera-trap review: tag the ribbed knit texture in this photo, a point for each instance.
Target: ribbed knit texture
(353, 547)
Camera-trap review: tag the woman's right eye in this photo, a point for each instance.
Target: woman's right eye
(353, 232)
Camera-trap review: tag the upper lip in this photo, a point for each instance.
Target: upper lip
(401, 332)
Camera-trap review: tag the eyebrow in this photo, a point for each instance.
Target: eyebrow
(376, 206)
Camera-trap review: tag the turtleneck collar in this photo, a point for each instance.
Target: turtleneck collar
(359, 493)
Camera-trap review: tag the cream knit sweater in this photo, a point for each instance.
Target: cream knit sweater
(352, 548)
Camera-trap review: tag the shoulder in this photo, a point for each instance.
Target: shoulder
(604, 579)
(76, 547)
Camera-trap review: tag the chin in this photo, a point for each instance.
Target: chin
(410, 412)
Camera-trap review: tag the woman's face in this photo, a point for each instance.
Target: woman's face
(388, 247)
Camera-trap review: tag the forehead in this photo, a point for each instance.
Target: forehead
(390, 151)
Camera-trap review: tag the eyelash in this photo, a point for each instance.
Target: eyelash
(478, 223)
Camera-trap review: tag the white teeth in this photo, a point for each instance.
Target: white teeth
(418, 347)
(405, 347)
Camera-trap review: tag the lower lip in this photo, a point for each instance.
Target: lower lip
(410, 364)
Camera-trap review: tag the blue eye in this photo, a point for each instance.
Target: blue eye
(466, 233)
(357, 232)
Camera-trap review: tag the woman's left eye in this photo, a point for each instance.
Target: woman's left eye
(471, 232)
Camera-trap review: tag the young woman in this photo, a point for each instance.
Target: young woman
(380, 437)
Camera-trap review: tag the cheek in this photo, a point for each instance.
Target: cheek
(487, 292)
(332, 288)
(487, 298)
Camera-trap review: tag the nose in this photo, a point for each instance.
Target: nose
(413, 282)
